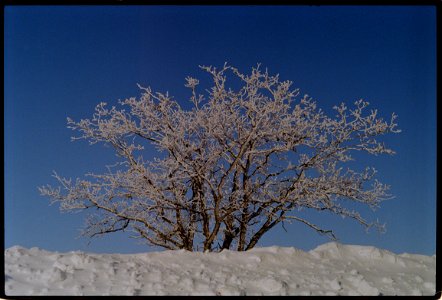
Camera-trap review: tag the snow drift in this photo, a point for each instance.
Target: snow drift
(330, 269)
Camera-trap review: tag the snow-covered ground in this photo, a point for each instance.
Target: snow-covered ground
(330, 269)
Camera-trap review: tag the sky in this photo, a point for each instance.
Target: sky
(60, 61)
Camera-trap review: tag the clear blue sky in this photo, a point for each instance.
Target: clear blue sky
(61, 61)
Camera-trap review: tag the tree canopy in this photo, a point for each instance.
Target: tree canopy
(229, 169)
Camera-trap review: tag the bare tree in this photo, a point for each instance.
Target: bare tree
(230, 168)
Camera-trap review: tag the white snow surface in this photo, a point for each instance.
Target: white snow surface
(330, 269)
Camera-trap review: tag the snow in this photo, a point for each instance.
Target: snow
(330, 269)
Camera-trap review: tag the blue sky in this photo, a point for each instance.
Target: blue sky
(62, 60)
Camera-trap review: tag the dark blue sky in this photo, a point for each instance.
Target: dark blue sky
(61, 61)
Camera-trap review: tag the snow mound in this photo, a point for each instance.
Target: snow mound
(335, 250)
(330, 269)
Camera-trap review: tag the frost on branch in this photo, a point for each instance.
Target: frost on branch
(229, 169)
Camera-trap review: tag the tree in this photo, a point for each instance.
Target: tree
(229, 169)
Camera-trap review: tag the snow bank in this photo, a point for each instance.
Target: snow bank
(330, 269)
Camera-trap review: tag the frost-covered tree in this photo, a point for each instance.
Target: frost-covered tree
(229, 169)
